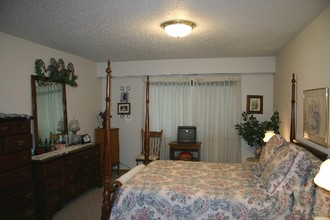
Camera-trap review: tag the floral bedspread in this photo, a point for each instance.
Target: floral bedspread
(197, 190)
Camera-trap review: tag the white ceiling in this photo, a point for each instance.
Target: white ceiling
(127, 30)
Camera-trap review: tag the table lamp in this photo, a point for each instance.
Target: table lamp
(74, 127)
(322, 179)
(268, 135)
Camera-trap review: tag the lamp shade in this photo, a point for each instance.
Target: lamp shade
(74, 125)
(268, 135)
(178, 28)
(322, 179)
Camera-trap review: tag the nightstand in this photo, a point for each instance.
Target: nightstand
(252, 160)
(190, 147)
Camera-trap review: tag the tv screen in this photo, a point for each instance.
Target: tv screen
(186, 134)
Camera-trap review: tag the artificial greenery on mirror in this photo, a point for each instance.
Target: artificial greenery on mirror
(55, 72)
(253, 131)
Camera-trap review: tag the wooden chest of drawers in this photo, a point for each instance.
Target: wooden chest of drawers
(17, 189)
(62, 177)
(114, 145)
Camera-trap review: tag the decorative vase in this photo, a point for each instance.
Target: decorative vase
(257, 152)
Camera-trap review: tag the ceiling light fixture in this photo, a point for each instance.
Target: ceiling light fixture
(178, 28)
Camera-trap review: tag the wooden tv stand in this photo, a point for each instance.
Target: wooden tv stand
(190, 147)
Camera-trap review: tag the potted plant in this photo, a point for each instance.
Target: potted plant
(253, 131)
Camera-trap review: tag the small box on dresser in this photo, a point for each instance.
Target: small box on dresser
(17, 188)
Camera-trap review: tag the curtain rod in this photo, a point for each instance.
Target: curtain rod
(173, 75)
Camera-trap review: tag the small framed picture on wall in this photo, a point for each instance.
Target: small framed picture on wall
(254, 104)
(124, 108)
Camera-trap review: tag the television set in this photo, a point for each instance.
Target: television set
(186, 134)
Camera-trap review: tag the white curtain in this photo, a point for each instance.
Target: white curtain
(211, 103)
(49, 108)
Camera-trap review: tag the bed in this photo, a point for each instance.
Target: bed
(279, 186)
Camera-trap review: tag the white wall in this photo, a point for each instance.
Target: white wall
(17, 59)
(257, 79)
(308, 56)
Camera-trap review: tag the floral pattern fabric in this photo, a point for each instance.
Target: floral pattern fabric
(278, 168)
(199, 190)
(272, 146)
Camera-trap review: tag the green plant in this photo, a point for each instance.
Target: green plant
(252, 131)
(56, 72)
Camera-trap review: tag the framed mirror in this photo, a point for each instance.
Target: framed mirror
(49, 109)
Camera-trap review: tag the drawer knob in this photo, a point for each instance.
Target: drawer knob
(24, 158)
(28, 195)
(25, 173)
(20, 142)
(29, 213)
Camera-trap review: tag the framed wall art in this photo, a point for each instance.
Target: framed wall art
(316, 116)
(124, 108)
(254, 104)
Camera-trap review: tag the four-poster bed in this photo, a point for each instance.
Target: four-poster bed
(167, 189)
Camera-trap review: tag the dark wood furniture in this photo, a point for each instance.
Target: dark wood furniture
(61, 177)
(114, 145)
(194, 148)
(17, 189)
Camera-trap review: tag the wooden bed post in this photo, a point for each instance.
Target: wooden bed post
(293, 113)
(107, 151)
(146, 126)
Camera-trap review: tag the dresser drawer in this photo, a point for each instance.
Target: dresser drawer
(22, 127)
(53, 184)
(81, 158)
(6, 129)
(72, 176)
(14, 160)
(17, 200)
(94, 153)
(16, 176)
(26, 213)
(52, 168)
(16, 143)
(74, 160)
(53, 201)
(71, 191)
(12, 128)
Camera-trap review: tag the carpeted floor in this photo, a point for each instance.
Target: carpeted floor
(87, 206)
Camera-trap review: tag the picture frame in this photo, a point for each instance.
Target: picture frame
(316, 116)
(254, 104)
(124, 108)
(85, 138)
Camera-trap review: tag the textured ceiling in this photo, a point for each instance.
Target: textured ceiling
(127, 30)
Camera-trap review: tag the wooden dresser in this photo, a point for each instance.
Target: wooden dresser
(114, 141)
(17, 189)
(63, 174)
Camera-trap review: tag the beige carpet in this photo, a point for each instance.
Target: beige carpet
(87, 206)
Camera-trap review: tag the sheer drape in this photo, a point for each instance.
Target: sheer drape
(211, 103)
(49, 107)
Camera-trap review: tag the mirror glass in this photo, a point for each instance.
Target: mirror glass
(49, 110)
